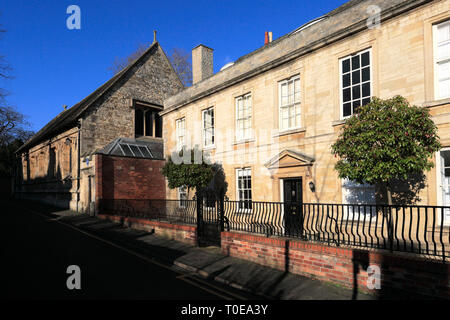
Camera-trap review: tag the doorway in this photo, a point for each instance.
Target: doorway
(293, 206)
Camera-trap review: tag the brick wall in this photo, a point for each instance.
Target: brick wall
(179, 232)
(343, 266)
(129, 178)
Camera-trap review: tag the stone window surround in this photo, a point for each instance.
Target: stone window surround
(147, 107)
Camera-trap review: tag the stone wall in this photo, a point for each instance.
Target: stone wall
(48, 171)
(112, 116)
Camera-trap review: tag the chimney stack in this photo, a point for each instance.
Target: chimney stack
(202, 63)
(270, 36)
(154, 36)
(266, 38)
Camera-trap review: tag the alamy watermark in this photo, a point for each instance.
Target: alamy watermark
(374, 20)
(373, 277)
(73, 22)
(74, 280)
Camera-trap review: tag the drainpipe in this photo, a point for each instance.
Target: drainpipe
(79, 162)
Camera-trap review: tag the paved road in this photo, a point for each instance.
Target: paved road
(36, 251)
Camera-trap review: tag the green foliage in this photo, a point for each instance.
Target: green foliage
(386, 140)
(192, 175)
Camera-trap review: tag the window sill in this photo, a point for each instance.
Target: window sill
(436, 103)
(338, 122)
(243, 141)
(289, 131)
(148, 138)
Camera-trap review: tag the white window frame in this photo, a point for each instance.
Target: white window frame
(238, 198)
(289, 105)
(180, 126)
(240, 136)
(341, 89)
(211, 128)
(437, 94)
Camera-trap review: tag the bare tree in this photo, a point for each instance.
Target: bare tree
(12, 123)
(179, 59)
(5, 70)
(120, 63)
(181, 62)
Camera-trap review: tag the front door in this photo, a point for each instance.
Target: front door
(293, 207)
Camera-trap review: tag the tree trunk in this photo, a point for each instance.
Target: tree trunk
(389, 194)
(389, 216)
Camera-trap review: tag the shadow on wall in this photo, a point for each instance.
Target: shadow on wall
(404, 192)
(399, 279)
(48, 186)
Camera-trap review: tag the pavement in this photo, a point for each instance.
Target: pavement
(209, 263)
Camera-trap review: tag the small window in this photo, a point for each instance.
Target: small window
(442, 59)
(355, 82)
(208, 127)
(244, 188)
(289, 97)
(182, 197)
(147, 123)
(181, 133)
(244, 117)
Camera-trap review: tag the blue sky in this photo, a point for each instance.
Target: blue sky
(53, 65)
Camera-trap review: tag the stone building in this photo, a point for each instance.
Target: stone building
(115, 129)
(271, 117)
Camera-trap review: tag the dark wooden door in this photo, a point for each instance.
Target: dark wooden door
(293, 207)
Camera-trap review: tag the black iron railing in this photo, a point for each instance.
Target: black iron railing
(416, 229)
(174, 211)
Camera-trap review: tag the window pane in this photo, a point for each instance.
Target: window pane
(356, 105)
(139, 122)
(347, 109)
(366, 90)
(355, 77)
(136, 151)
(145, 152)
(365, 59)
(126, 150)
(346, 80)
(366, 74)
(356, 92)
(355, 62)
(346, 95)
(346, 66)
(158, 126)
(148, 124)
(365, 101)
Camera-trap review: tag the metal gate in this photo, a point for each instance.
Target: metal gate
(209, 219)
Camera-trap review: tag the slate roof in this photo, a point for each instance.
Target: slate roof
(68, 117)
